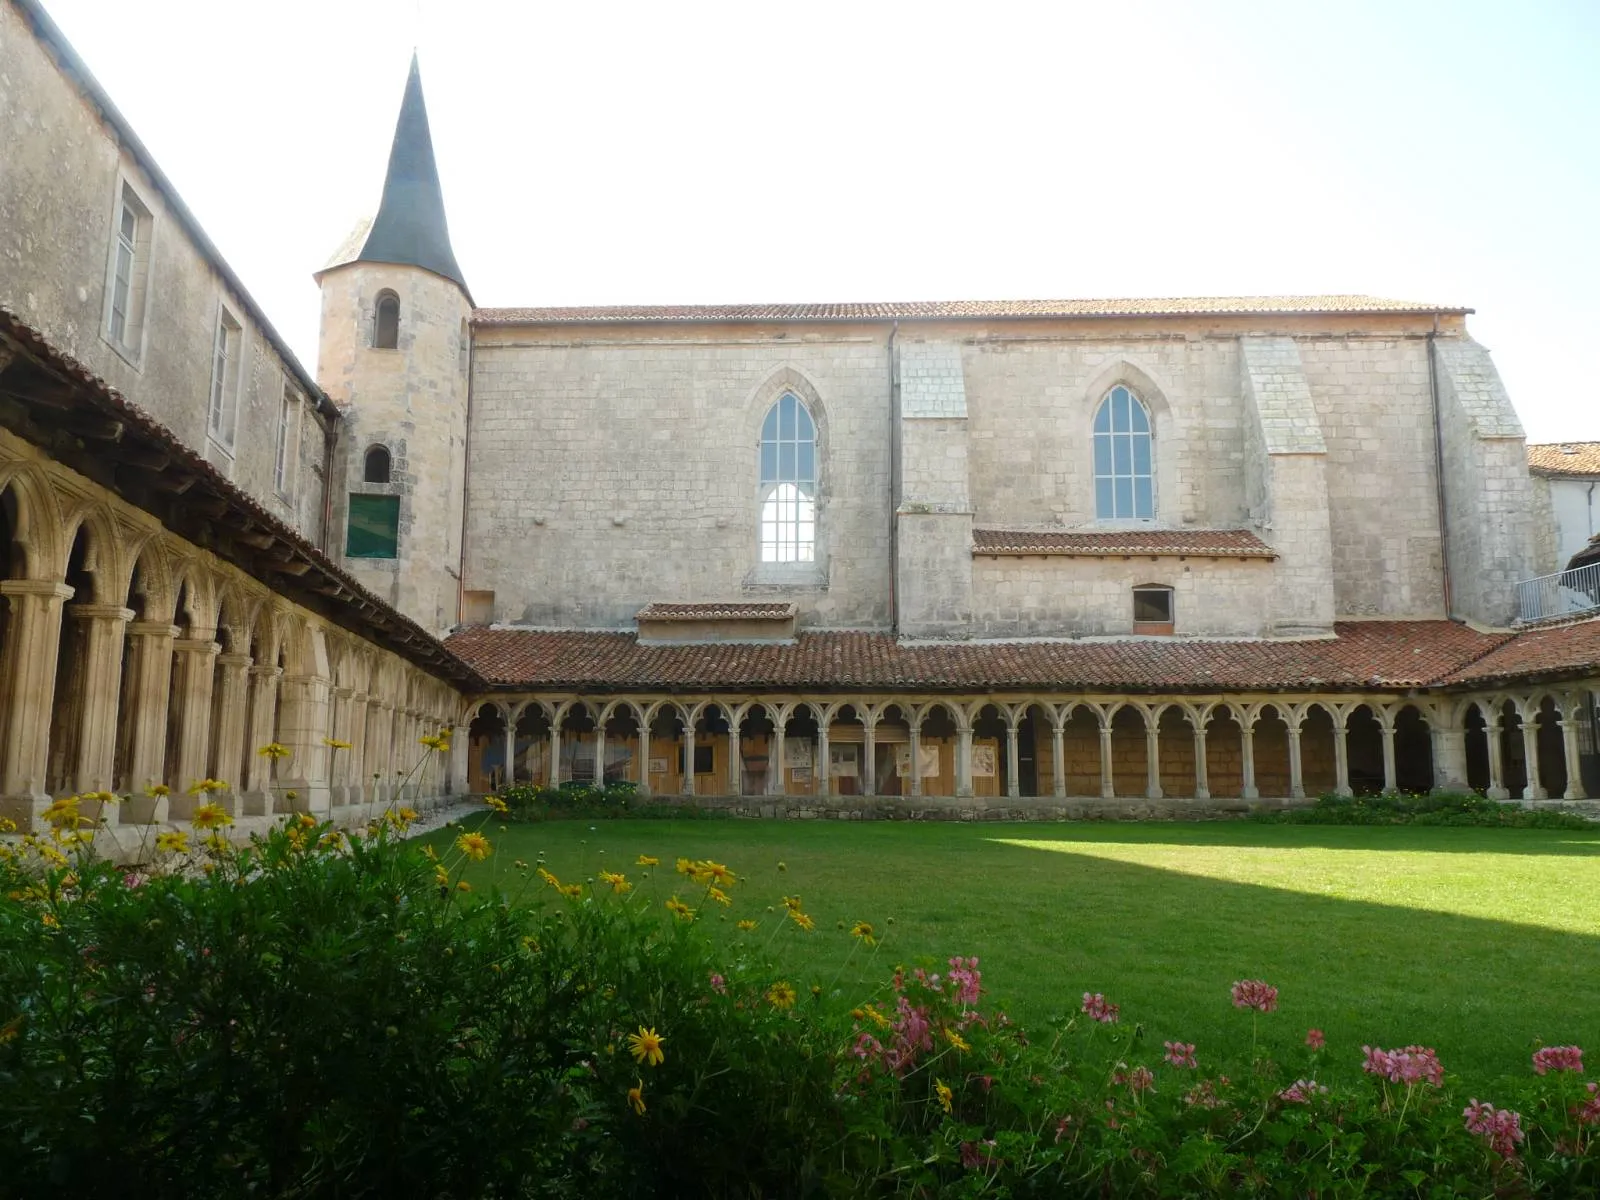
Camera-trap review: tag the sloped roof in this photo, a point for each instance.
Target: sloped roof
(1167, 543)
(718, 612)
(1552, 650)
(1363, 655)
(1564, 458)
(1187, 306)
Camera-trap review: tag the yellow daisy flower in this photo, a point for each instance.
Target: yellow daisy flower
(864, 931)
(636, 1097)
(619, 883)
(956, 1040)
(645, 1046)
(745, 926)
(802, 919)
(720, 896)
(646, 860)
(942, 1090)
(210, 816)
(680, 910)
(781, 995)
(474, 845)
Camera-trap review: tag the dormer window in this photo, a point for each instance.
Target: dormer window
(386, 322)
(1153, 610)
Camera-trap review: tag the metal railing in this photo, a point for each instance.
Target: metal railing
(1563, 594)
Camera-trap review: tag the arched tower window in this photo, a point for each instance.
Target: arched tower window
(465, 347)
(1124, 474)
(788, 483)
(377, 465)
(386, 322)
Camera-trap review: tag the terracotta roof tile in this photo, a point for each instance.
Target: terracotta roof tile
(1387, 654)
(1564, 458)
(1187, 306)
(1199, 543)
(718, 612)
(1567, 650)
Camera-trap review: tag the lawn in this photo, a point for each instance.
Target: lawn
(1479, 942)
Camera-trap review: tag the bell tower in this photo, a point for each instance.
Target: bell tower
(394, 354)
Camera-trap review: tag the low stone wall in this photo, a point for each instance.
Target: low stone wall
(1004, 808)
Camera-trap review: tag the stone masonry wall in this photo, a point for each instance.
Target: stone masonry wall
(61, 177)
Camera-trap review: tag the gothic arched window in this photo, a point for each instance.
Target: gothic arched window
(386, 322)
(788, 483)
(377, 465)
(1124, 466)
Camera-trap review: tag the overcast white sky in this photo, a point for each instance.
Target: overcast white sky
(699, 153)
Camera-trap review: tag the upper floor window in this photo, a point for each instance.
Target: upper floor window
(225, 372)
(1152, 609)
(288, 433)
(377, 465)
(1124, 477)
(788, 483)
(386, 322)
(130, 272)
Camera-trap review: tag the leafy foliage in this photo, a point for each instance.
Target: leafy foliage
(1430, 808)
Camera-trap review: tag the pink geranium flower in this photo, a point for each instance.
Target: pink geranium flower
(1500, 1127)
(1557, 1058)
(1302, 1091)
(1411, 1065)
(718, 983)
(1100, 1009)
(965, 980)
(1314, 1039)
(1180, 1054)
(1256, 994)
(1588, 1113)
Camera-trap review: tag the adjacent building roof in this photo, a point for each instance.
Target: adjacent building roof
(1163, 543)
(718, 612)
(1560, 650)
(1189, 306)
(1564, 458)
(56, 403)
(410, 228)
(1363, 656)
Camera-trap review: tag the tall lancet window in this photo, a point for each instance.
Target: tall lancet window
(788, 483)
(1124, 475)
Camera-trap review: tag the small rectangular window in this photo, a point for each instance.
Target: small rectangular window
(374, 530)
(129, 274)
(226, 368)
(1152, 610)
(288, 432)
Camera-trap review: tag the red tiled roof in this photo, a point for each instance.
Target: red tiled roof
(1564, 458)
(1199, 543)
(1369, 654)
(1186, 306)
(717, 612)
(1559, 649)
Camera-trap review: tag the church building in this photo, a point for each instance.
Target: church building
(1042, 557)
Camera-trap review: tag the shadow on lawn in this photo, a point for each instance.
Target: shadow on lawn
(1432, 839)
(1167, 946)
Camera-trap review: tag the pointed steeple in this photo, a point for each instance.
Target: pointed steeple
(410, 227)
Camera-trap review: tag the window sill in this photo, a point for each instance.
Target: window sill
(134, 358)
(786, 577)
(1152, 628)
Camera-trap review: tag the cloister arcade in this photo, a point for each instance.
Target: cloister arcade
(1525, 746)
(132, 661)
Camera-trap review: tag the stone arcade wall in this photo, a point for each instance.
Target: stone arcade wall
(130, 658)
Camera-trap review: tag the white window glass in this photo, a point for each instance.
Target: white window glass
(225, 368)
(283, 469)
(130, 253)
(1124, 475)
(788, 465)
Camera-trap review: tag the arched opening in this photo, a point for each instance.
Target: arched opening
(1081, 743)
(530, 750)
(846, 744)
(1224, 754)
(798, 770)
(68, 705)
(386, 322)
(1319, 766)
(1124, 474)
(622, 757)
(1476, 734)
(1129, 762)
(1175, 748)
(1035, 745)
(991, 753)
(891, 750)
(222, 751)
(1364, 738)
(1552, 750)
(710, 767)
(755, 749)
(12, 566)
(1413, 751)
(377, 465)
(1513, 751)
(1272, 752)
(486, 745)
(140, 590)
(183, 619)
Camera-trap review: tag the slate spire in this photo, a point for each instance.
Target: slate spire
(410, 227)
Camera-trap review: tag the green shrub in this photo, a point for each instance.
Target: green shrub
(332, 1015)
(1426, 808)
(536, 802)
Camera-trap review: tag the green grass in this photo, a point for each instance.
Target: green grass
(1479, 942)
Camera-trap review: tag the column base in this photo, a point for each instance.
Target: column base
(24, 811)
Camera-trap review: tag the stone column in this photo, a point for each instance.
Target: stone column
(824, 773)
(1530, 751)
(511, 750)
(1152, 757)
(460, 741)
(1247, 751)
(339, 777)
(1202, 786)
(869, 754)
(148, 692)
(302, 726)
(257, 800)
(553, 775)
(1058, 755)
(1341, 752)
(777, 775)
(915, 730)
(1013, 775)
(1449, 737)
(1570, 723)
(355, 761)
(686, 783)
(1108, 774)
(1493, 736)
(105, 627)
(1297, 783)
(227, 737)
(1386, 728)
(194, 660)
(735, 758)
(963, 759)
(599, 754)
(642, 773)
(378, 768)
(33, 643)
